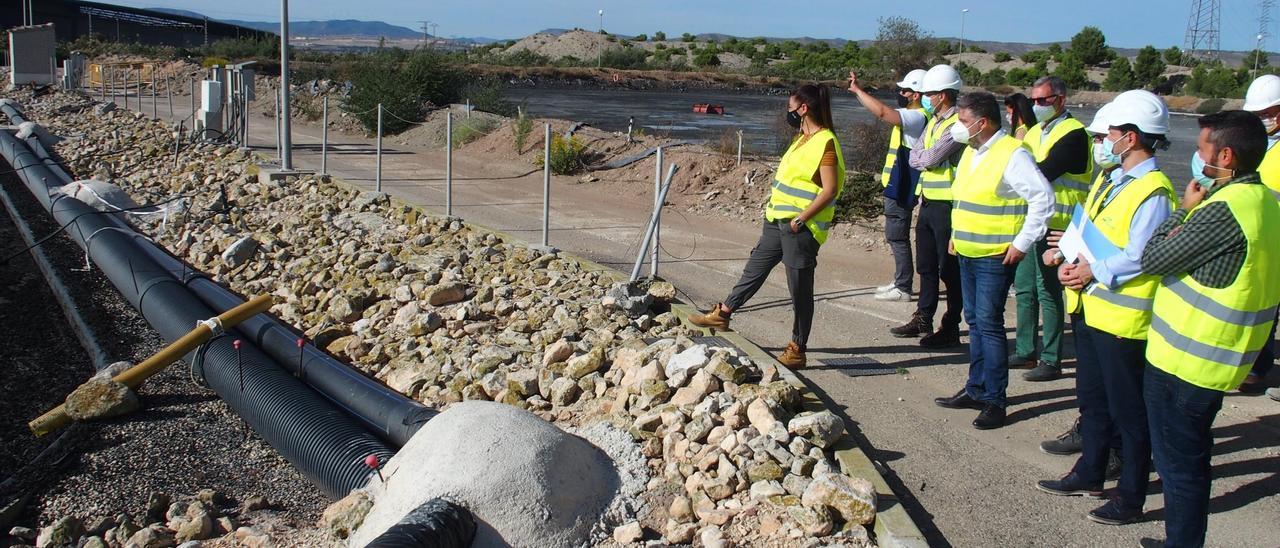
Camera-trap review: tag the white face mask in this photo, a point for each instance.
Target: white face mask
(960, 133)
(1044, 113)
(1102, 156)
(1271, 125)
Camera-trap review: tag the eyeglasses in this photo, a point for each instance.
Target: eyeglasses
(1046, 100)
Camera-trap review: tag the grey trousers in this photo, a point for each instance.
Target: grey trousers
(897, 231)
(799, 254)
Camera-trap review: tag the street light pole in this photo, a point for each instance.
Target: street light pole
(964, 12)
(286, 142)
(600, 56)
(1257, 55)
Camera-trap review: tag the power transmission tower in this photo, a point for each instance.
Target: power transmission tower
(1264, 22)
(426, 31)
(1203, 26)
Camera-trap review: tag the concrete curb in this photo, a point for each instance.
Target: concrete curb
(893, 526)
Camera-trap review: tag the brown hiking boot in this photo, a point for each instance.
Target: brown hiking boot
(714, 319)
(915, 327)
(792, 357)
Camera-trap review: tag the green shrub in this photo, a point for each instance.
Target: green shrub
(861, 198)
(486, 95)
(213, 61)
(1210, 106)
(524, 58)
(624, 58)
(686, 37)
(523, 127)
(467, 130)
(1003, 56)
(641, 38)
(659, 36)
(566, 155)
(402, 86)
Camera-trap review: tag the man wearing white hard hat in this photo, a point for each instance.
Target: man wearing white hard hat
(1110, 303)
(1263, 99)
(936, 161)
(898, 178)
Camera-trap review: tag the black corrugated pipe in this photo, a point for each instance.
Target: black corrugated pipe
(437, 523)
(327, 446)
(382, 410)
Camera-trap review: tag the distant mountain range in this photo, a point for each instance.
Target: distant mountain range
(331, 28)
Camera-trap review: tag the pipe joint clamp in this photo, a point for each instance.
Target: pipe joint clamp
(214, 324)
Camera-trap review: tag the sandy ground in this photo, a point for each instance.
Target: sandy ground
(963, 487)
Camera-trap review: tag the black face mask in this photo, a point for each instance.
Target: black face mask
(903, 101)
(793, 118)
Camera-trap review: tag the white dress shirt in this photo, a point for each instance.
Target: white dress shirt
(1022, 179)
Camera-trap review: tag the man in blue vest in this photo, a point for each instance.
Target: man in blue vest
(898, 178)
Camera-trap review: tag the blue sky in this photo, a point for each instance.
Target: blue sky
(1133, 23)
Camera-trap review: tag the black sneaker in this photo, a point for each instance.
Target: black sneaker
(942, 338)
(915, 327)
(991, 417)
(1070, 486)
(1112, 513)
(1147, 542)
(1114, 465)
(1043, 372)
(1069, 443)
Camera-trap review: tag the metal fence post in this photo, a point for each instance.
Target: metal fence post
(139, 86)
(657, 207)
(546, 187)
(448, 163)
(277, 123)
(653, 224)
(193, 102)
(378, 178)
(155, 104)
(168, 91)
(324, 135)
(739, 147)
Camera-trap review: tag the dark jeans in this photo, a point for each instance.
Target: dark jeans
(986, 288)
(897, 232)
(1181, 416)
(1039, 295)
(1267, 356)
(1109, 373)
(799, 254)
(933, 263)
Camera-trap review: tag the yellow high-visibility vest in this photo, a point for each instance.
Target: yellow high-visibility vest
(935, 183)
(1072, 302)
(794, 188)
(891, 158)
(1071, 188)
(982, 222)
(1125, 310)
(1211, 337)
(1270, 169)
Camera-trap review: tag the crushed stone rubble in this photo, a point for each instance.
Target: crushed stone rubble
(444, 312)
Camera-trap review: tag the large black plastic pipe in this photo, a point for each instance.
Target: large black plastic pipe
(322, 442)
(382, 410)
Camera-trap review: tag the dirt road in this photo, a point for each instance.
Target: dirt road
(964, 487)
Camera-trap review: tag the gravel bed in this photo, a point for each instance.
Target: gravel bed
(184, 438)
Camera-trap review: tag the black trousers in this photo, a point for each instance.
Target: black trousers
(799, 254)
(1109, 389)
(934, 264)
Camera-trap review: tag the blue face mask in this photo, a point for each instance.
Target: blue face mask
(1197, 172)
(927, 105)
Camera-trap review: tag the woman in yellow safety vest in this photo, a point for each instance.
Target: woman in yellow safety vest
(797, 218)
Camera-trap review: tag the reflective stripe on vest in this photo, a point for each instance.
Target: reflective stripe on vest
(935, 184)
(1209, 337)
(891, 157)
(1073, 302)
(794, 188)
(1070, 188)
(1124, 311)
(983, 223)
(1270, 169)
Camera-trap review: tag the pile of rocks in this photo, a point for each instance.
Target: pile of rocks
(165, 522)
(444, 312)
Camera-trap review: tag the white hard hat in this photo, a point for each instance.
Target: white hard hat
(1101, 121)
(940, 77)
(1140, 108)
(1263, 93)
(912, 80)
